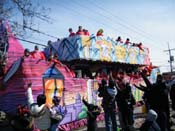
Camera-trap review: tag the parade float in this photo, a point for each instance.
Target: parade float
(71, 79)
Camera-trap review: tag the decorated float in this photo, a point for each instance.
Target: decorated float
(85, 60)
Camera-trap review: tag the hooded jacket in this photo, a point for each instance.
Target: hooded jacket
(112, 92)
(41, 113)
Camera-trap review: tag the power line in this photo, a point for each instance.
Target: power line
(31, 42)
(73, 11)
(119, 18)
(94, 19)
(57, 37)
(101, 14)
(32, 29)
(121, 24)
(127, 25)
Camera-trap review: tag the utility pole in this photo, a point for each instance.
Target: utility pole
(171, 58)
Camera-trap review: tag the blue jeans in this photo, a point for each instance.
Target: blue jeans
(54, 127)
(110, 120)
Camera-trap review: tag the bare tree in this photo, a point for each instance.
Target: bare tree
(27, 10)
(21, 14)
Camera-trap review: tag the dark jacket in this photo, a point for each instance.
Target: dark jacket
(172, 96)
(108, 93)
(154, 93)
(93, 112)
(125, 99)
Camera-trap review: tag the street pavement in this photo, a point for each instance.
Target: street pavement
(139, 118)
(138, 115)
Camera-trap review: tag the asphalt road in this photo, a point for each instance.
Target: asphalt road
(139, 119)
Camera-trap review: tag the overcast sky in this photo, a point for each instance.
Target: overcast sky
(151, 22)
